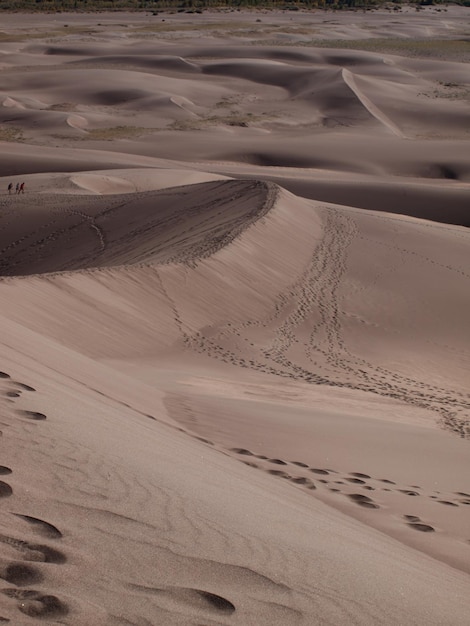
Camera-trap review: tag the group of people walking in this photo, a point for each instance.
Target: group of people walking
(18, 189)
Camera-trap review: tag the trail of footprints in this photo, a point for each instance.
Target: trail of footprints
(19, 574)
(312, 478)
(22, 577)
(329, 361)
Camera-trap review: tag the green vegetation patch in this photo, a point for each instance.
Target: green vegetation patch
(234, 119)
(116, 132)
(426, 48)
(10, 133)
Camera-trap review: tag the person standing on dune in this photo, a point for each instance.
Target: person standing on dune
(21, 188)
(10, 187)
(17, 190)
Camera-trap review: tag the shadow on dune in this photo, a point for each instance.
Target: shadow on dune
(180, 224)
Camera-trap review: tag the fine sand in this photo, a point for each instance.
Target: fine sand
(234, 299)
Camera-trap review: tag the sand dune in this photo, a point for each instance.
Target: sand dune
(234, 301)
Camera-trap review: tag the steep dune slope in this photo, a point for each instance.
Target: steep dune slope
(109, 517)
(257, 277)
(183, 224)
(137, 517)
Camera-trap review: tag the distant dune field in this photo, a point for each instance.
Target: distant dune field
(234, 296)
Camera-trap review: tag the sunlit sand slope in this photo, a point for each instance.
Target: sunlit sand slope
(115, 514)
(257, 277)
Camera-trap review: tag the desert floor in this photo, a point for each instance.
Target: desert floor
(234, 302)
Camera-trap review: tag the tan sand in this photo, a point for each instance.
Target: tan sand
(234, 300)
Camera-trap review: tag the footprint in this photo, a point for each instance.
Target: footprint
(363, 500)
(279, 473)
(34, 552)
(12, 394)
(20, 574)
(408, 493)
(196, 598)
(217, 602)
(4, 375)
(389, 482)
(462, 493)
(4, 470)
(43, 528)
(356, 481)
(424, 528)
(242, 451)
(301, 480)
(447, 502)
(33, 415)
(359, 475)
(319, 471)
(412, 518)
(277, 461)
(23, 386)
(35, 604)
(300, 464)
(5, 490)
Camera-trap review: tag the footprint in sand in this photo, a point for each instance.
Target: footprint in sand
(41, 527)
(23, 386)
(5, 490)
(194, 598)
(242, 451)
(319, 471)
(32, 415)
(413, 521)
(20, 574)
(424, 528)
(38, 553)
(4, 470)
(31, 602)
(4, 375)
(279, 473)
(363, 500)
(37, 604)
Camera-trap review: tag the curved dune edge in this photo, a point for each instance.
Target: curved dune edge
(109, 182)
(244, 254)
(374, 110)
(179, 225)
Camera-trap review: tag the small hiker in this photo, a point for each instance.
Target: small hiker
(21, 188)
(17, 190)
(10, 187)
